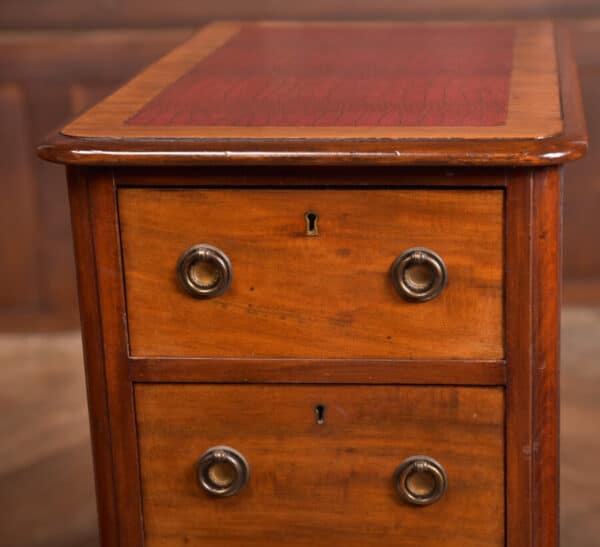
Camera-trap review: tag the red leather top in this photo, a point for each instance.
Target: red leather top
(352, 76)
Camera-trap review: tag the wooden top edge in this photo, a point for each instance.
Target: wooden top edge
(114, 152)
(568, 145)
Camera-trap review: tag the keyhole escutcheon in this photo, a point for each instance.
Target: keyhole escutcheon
(312, 221)
(320, 414)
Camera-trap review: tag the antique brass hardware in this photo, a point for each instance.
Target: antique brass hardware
(222, 471)
(312, 223)
(419, 274)
(204, 271)
(420, 480)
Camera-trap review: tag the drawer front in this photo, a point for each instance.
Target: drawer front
(324, 484)
(321, 294)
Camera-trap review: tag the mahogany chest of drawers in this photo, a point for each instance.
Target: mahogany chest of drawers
(319, 276)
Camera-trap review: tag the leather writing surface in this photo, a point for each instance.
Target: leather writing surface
(350, 76)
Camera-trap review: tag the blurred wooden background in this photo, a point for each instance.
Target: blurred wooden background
(59, 56)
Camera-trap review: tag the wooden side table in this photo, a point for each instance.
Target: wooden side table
(319, 275)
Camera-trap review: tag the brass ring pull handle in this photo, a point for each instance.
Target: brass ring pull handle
(222, 471)
(420, 480)
(204, 271)
(419, 274)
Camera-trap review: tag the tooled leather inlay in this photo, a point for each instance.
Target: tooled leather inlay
(353, 76)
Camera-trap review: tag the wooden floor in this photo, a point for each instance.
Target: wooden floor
(46, 486)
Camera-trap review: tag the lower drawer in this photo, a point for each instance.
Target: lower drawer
(323, 465)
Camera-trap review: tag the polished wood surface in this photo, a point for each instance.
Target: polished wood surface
(320, 371)
(80, 198)
(531, 134)
(458, 86)
(276, 306)
(519, 338)
(106, 287)
(547, 231)
(328, 484)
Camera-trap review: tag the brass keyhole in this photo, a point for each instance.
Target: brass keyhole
(312, 220)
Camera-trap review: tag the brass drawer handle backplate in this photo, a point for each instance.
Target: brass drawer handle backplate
(419, 274)
(222, 471)
(420, 480)
(204, 271)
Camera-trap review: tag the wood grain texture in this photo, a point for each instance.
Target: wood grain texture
(326, 296)
(319, 371)
(94, 355)
(519, 335)
(327, 485)
(533, 294)
(116, 386)
(547, 232)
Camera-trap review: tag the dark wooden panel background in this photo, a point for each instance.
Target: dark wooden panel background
(58, 56)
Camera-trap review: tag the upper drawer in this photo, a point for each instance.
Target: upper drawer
(329, 295)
